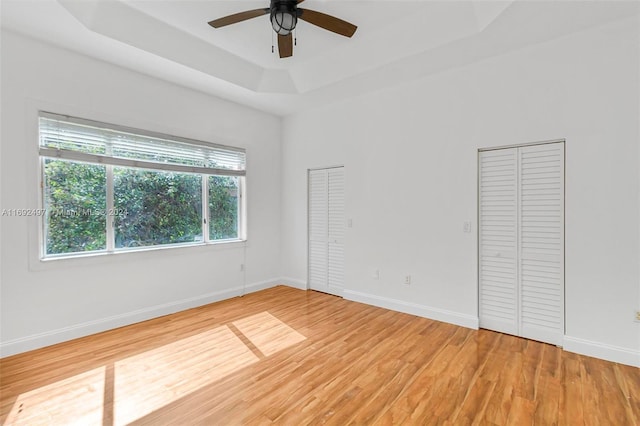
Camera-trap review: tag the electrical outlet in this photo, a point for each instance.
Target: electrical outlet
(242, 267)
(407, 279)
(466, 227)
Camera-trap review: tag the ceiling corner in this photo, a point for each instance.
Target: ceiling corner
(121, 22)
(487, 11)
(277, 81)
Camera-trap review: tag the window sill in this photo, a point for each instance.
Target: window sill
(100, 257)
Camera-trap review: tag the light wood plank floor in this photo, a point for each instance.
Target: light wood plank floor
(294, 357)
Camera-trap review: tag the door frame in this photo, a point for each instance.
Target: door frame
(564, 256)
(309, 170)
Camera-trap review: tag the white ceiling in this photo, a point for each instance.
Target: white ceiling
(396, 41)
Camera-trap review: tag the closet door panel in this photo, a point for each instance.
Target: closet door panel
(318, 230)
(542, 242)
(498, 241)
(336, 206)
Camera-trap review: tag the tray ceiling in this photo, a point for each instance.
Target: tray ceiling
(396, 41)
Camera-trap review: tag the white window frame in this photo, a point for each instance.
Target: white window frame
(111, 162)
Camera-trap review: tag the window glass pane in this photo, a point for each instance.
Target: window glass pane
(223, 207)
(74, 198)
(156, 207)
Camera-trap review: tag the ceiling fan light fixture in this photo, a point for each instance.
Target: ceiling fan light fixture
(283, 22)
(284, 17)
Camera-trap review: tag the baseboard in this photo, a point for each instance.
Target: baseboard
(437, 314)
(35, 341)
(260, 285)
(601, 350)
(293, 282)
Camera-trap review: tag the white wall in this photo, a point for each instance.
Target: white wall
(47, 302)
(410, 157)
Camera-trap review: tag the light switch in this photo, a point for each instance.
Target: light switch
(467, 227)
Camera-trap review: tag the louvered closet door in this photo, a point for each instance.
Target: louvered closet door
(498, 266)
(521, 241)
(326, 230)
(335, 210)
(542, 242)
(318, 230)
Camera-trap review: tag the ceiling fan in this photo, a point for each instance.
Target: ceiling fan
(284, 17)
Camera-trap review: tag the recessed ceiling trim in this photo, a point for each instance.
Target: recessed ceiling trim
(116, 20)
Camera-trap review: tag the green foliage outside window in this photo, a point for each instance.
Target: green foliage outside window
(154, 208)
(75, 201)
(223, 207)
(150, 207)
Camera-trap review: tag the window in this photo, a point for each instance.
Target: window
(108, 188)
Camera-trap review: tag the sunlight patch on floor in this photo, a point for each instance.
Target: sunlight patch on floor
(77, 400)
(136, 386)
(268, 333)
(153, 379)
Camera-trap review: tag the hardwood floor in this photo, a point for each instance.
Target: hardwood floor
(293, 357)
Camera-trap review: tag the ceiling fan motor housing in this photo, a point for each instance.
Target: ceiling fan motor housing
(284, 16)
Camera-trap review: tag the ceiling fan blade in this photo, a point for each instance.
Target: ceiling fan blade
(238, 17)
(327, 22)
(285, 45)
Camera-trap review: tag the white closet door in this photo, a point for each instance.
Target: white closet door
(498, 241)
(521, 241)
(336, 230)
(326, 230)
(542, 242)
(318, 230)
